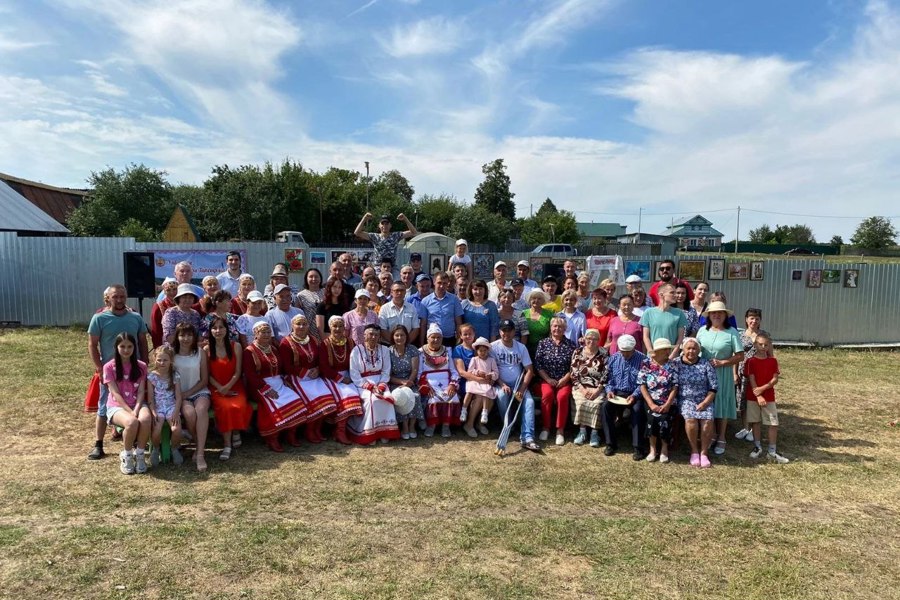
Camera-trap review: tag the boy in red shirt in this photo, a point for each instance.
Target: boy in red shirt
(762, 372)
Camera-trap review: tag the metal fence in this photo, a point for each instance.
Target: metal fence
(59, 282)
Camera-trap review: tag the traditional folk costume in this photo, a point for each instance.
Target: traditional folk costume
(297, 358)
(334, 365)
(287, 410)
(371, 373)
(436, 373)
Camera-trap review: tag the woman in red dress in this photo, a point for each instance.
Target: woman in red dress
(279, 407)
(299, 354)
(170, 288)
(229, 400)
(334, 365)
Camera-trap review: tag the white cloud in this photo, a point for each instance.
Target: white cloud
(435, 35)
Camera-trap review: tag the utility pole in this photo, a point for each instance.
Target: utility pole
(737, 230)
(638, 238)
(367, 186)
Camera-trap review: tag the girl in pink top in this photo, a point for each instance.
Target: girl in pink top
(484, 367)
(125, 377)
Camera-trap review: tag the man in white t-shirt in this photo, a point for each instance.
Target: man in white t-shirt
(229, 278)
(499, 283)
(512, 360)
(523, 271)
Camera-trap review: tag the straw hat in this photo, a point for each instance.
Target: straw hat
(185, 289)
(717, 306)
(662, 344)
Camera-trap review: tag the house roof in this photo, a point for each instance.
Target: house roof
(695, 220)
(605, 230)
(55, 201)
(21, 215)
(685, 230)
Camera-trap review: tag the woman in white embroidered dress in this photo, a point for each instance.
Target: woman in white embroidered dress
(370, 370)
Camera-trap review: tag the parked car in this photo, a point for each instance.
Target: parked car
(290, 237)
(565, 249)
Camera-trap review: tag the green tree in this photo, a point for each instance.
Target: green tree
(140, 232)
(549, 225)
(836, 240)
(434, 213)
(762, 235)
(794, 234)
(493, 194)
(343, 202)
(138, 193)
(478, 225)
(395, 182)
(874, 233)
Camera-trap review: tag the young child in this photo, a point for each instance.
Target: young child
(659, 387)
(461, 258)
(763, 373)
(125, 377)
(164, 398)
(485, 368)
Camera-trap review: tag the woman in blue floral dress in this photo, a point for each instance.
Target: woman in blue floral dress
(658, 380)
(697, 385)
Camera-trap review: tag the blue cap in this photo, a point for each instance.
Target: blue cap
(422, 277)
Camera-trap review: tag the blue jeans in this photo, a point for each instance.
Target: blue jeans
(526, 413)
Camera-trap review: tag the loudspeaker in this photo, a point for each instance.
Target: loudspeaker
(139, 275)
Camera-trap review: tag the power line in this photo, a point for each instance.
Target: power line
(772, 212)
(718, 210)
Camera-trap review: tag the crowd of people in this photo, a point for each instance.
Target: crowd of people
(370, 358)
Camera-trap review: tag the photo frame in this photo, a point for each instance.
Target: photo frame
(716, 269)
(851, 278)
(757, 270)
(654, 275)
(831, 275)
(293, 258)
(317, 259)
(796, 275)
(437, 263)
(814, 278)
(538, 266)
(641, 268)
(691, 270)
(483, 265)
(739, 270)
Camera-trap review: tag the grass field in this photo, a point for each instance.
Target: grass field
(448, 519)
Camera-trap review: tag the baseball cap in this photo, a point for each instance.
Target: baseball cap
(523, 263)
(633, 279)
(422, 277)
(518, 281)
(279, 288)
(362, 293)
(507, 324)
(384, 218)
(461, 242)
(499, 263)
(415, 256)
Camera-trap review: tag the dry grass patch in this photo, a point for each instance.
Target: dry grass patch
(447, 519)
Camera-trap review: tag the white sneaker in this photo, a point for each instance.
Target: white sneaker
(463, 413)
(663, 458)
(743, 433)
(429, 431)
(756, 453)
(651, 457)
(544, 435)
(126, 463)
(445, 430)
(413, 435)
(177, 458)
(777, 458)
(404, 436)
(140, 463)
(483, 430)
(484, 416)
(560, 439)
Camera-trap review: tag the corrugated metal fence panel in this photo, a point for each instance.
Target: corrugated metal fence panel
(57, 281)
(60, 281)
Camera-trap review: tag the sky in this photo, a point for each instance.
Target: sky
(625, 111)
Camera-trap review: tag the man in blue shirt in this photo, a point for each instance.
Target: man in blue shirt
(443, 309)
(622, 369)
(421, 289)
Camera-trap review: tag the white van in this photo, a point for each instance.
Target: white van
(290, 237)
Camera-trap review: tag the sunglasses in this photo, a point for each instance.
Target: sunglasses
(665, 268)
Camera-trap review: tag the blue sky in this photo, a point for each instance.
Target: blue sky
(605, 106)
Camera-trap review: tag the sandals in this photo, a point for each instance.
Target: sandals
(226, 453)
(531, 445)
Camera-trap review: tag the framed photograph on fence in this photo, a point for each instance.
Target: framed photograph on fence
(293, 258)
(738, 270)
(796, 275)
(851, 278)
(483, 265)
(641, 268)
(538, 264)
(691, 270)
(317, 259)
(757, 270)
(437, 263)
(831, 276)
(814, 278)
(335, 254)
(655, 274)
(716, 268)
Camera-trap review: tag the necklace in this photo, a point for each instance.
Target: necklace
(342, 355)
(303, 347)
(270, 356)
(373, 355)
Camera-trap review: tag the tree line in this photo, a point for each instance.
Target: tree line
(252, 202)
(873, 233)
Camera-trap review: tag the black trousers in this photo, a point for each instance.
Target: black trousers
(638, 423)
